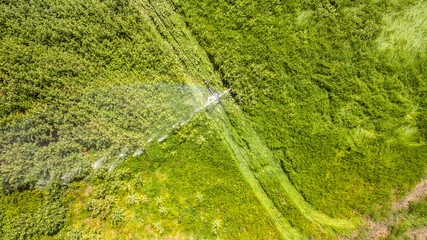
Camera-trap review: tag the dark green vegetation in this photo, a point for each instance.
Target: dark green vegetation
(327, 120)
(105, 126)
(53, 49)
(29, 213)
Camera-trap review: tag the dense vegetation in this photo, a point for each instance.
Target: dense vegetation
(147, 197)
(105, 126)
(345, 117)
(52, 49)
(326, 123)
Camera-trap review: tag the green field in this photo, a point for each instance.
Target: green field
(104, 134)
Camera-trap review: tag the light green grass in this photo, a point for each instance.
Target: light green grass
(269, 182)
(405, 32)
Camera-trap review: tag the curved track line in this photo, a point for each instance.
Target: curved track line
(253, 157)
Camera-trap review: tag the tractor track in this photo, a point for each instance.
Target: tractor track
(255, 160)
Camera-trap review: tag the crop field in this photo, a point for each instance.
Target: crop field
(108, 130)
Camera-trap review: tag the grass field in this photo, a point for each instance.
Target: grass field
(101, 137)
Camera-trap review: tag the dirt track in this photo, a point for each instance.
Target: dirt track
(380, 230)
(415, 195)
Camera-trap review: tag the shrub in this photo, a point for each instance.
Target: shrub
(132, 199)
(100, 191)
(199, 197)
(73, 234)
(54, 189)
(50, 218)
(19, 227)
(163, 210)
(100, 208)
(127, 187)
(144, 199)
(216, 226)
(139, 179)
(117, 215)
(158, 200)
(100, 173)
(158, 227)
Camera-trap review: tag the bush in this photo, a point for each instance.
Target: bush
(133, 199)
(100, 208)
(19, 227)
(216, 226)
(49, 219)
(119, 174)
(117, 215)
(158, 227)
(101, 191)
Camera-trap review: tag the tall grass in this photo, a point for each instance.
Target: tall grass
(326, 101)
(405, 32)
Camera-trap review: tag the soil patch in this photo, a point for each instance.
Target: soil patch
(419, 191)
(380, 230)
